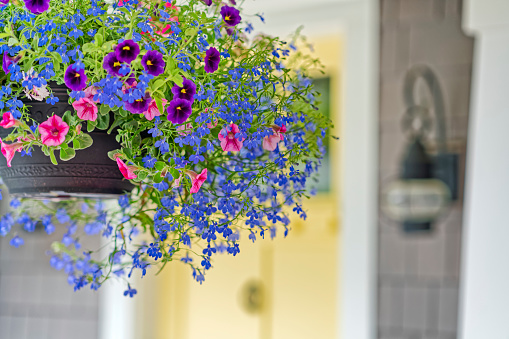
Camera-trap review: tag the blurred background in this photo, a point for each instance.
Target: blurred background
(406, 238)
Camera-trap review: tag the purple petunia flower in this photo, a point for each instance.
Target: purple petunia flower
(111, 64)
(75, 80)
(127, 51)
(139, 106)
(37, 6)
(8, 61)
(207, 2)
(212, 58)
(153, 63)
(230, 15)
(3, 2)
(186, 92)
(179, 110)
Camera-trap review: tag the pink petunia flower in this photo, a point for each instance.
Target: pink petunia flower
(90, 92)
(8, 151)
(197, 179)
(153, 111)
(127, 171)
(229, 142)
(176, 182)
(36, 93)
(270, 142)
(86, 109)
(185, 129)
(53, 131)
(8, 120)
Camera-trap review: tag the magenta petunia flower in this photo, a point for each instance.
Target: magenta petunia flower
(153, 63)
(3, 2)
(111, 64)
(231, 15)
(7, 61)
(8, 120)
(186, 92)
(75, 80)
(179, 110)
(212, 59)
(127, 171)
(37, 6)
(140, 105)
(53, 131)
(229, 142)
(86, 109)
(127, 51)
(153, 111)
(8, 150)
(197, 179)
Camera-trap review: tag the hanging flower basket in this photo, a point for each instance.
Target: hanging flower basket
(90, 174)
(208, 131)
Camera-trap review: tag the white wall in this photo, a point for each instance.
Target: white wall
(485, 274)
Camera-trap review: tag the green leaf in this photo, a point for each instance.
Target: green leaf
(12, 42)
(67, 154)
(7, 29)
(174, 173)
(131, 125)
(178, 80)
(159, 104)
(82, 141)
(108, 45)
(111, 154)
(91, 125)
(158, 178)
(136, 141)
(104, 109)
(142, 175)
(191, 31)
(89, 48)
(157, 84)
(103, 121)
(67, 117)
(52, 157)
(160, 165)
(99, 39)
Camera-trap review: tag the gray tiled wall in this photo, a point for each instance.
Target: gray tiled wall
(36, 302)
(418, 274)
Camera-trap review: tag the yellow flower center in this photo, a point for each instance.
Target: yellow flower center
(179, 108)
(126, 48)
(226, 18)
(149, 63)
(183, 91)
(77, 75)
(139, 99)
(116, 64)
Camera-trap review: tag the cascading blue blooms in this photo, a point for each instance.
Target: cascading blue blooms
(233, 137)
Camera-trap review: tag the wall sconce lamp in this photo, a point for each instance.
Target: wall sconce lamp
(427, 183)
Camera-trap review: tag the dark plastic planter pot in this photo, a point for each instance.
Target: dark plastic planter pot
(91, 174)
